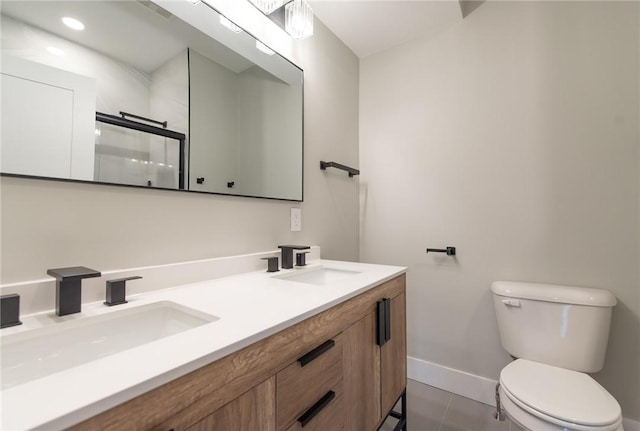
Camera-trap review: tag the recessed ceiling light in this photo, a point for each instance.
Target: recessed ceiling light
(55, 51)
(72, 23)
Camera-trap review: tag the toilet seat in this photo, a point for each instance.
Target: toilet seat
(563, 397)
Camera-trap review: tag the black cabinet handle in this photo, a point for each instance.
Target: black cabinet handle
(387, 317)
(304, 360)
(381, 336)
(383, 319)
(316, 408)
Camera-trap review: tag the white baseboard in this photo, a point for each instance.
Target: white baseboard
(458, 382)
(630, 425)
(467, 385)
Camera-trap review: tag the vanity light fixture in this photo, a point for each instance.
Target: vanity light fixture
(268, 6)
(294, 16)
(72, 23)
(230, 25)
(298, 19)
(264, 48)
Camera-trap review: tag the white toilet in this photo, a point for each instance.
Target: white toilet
(557, 334)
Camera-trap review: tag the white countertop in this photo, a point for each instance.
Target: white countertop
(250, 307)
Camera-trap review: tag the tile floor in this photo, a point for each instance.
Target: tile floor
(432, 409)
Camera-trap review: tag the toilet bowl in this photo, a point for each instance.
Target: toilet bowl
(559, 333)
(541, 397)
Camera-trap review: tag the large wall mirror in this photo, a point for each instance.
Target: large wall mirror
(161, 94)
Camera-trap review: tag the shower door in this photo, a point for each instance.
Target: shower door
(135, 153)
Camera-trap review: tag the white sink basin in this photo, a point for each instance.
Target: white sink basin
(320, 276)
(40, 352)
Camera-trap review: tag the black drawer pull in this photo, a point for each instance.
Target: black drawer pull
(304, 360)
(387, 316)
(316, 408)
(381, 336)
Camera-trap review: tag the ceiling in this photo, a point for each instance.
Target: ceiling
(372, 26)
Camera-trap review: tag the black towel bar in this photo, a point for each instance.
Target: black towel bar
(351, 171)
(149, 120)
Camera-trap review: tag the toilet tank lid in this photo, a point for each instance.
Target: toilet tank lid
(554, 293)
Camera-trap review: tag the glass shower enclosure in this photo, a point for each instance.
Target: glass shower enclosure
(135, 153)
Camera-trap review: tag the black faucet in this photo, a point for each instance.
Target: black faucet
(301, 258)
(116, 290)
(272, 263)
(10, 310)
(287, 254)
(68, 287)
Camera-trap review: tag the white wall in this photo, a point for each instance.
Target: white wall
(169, 93)
(49, 224)
(214, 124)
(246, 128)
(512, 135)
(331, 77)
(169, 101)
(269, 139)
(119, 87)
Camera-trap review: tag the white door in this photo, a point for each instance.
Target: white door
(47, 121)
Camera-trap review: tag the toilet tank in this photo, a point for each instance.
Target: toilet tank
(564, 326)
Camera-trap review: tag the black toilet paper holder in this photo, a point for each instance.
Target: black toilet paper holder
(450, 251)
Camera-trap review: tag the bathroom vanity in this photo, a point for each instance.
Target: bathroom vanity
(323, 347)
(264, 386)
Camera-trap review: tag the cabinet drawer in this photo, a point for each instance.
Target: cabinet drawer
(330, 418)
(299, 387)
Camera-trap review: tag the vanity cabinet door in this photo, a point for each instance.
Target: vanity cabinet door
(375, 376)
(255, 410)
(362, 375)
(393, 356)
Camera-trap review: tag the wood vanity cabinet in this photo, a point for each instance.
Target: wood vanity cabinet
(329, 372)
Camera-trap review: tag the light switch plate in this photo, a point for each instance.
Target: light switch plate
(296, 219)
